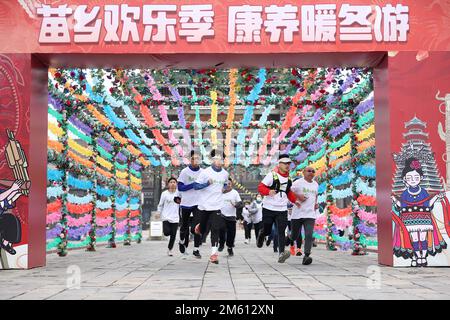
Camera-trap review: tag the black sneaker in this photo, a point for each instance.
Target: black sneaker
(221, 247)
(268, 242)
(260, 239)
(283, 256)
(307, 260)
(197, 254)
(230, 252)
(181, 247)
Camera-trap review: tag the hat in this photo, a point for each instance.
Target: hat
(284, 158)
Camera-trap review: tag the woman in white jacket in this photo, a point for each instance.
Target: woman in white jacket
(169, 209)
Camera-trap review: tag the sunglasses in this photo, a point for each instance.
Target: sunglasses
(312, 171)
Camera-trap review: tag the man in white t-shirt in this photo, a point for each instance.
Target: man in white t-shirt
(276, 189)
(305, 213)
(211, 182)
(231, 201)
(189, 203)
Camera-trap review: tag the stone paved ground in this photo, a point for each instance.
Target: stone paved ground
(144, 271)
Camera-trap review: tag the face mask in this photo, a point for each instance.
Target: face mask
(258, 200)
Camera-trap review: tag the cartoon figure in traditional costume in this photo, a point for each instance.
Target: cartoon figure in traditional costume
(416, 234)
(10, 191)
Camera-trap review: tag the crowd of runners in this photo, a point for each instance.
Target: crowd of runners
(202, 201)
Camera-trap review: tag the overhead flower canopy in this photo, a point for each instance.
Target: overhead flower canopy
(112, 123)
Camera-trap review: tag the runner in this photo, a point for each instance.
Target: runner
(189, 203)
(170, 212)
(276, 189)
(231, 201)
(306, 190)
(211, 182)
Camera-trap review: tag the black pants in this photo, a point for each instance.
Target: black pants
(298, 240)
(186, 223)
(280, 218)
(217, 223)
(308, 224)
(170, 229)
(10, 229)
(228, 234)
(248, 229)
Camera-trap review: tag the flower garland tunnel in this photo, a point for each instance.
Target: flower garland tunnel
(107, 126)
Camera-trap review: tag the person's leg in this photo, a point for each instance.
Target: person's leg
(222, 238)
(217, 223)
(184, 228)
(295, 230)
(275, 237)
(173, 234)
(195, 220)
(268, 219)
(309, 229)
(204, 219)
(247, 230)
(281, 221)
(166, 228)
(231, 233)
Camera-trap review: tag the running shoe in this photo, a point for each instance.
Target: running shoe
(307, 260)
(169, 253)
(260, 239)
(298, 252)
(197, 229)
(214, 258)
(230, 252)
(181, 247)
(246, 241)
(197, 254)
(221, 247)
(292, 250)
(268, 242)
(283, 256)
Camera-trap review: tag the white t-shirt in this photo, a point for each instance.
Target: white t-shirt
(246, 215)
(211, 197)
(310, 190)
(229, 200)
(279, 201)
(168, 208)
(187, 176)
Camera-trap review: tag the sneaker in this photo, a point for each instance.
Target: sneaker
(292, 250)
(298, 252)
(214, 258)
(315, 244)
(197, 254)
(283, 256)
(169, 253)
(246, 241)
(268, 242)
(182, 247)
(260, 240)
(221, 247)
(307, 260)
(275, 250)
(230, 252)
(197, 229)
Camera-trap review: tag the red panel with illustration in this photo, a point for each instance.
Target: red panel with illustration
(14, 143)
(420, 141)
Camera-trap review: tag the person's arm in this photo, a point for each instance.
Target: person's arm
(292, 196)
(201, 182)
(161, 203)
(185, 187)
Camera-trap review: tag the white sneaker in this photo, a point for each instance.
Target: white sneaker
(169, 253)
(246, 241)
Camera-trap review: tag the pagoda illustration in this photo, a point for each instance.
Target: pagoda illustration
(416, 146)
